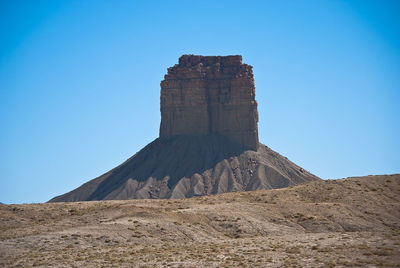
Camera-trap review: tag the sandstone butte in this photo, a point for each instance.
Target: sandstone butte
(204, 95)
(208, 141)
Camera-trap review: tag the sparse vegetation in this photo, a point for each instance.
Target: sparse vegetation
(301, 226)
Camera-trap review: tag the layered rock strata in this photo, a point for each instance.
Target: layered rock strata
(208, 140)
(210, 94)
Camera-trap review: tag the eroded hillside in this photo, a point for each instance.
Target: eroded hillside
(348, 222)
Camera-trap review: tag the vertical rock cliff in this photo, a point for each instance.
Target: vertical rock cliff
(208, 140)
(214, 94)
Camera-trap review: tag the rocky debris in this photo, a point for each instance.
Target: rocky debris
(192, 165)
(210, 94)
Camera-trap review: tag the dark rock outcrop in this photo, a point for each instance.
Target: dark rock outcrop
(208, 140)
(203, 95)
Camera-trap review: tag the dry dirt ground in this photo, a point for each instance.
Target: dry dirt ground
(338, 223)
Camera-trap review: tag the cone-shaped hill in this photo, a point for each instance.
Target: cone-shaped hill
(208, 140)
(190, 165)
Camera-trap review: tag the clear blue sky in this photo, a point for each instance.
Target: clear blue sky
(79, 82)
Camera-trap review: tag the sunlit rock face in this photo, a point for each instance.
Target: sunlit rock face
(210, 94)
(208, 140)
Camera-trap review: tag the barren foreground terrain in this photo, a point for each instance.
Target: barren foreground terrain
(347, 222)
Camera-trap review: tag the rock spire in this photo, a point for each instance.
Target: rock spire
(210, 94)
(208, 140)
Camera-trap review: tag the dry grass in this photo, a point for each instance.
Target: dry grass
(346, 223)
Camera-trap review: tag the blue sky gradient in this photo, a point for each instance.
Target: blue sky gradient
(80, 82)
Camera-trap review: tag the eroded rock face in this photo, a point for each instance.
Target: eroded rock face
(210, 94)
(208, 140)
(191, 165)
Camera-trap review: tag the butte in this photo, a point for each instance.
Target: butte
(208, 141)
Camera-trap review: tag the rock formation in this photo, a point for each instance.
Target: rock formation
(203, 95)
(208, 140)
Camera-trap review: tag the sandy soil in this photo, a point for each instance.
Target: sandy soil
(339, 223)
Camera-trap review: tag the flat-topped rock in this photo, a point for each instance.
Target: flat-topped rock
(210, 94)
(208, 140)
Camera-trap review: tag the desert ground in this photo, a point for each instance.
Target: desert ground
(353, 222)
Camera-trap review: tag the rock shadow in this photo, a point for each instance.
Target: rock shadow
(175, 156)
